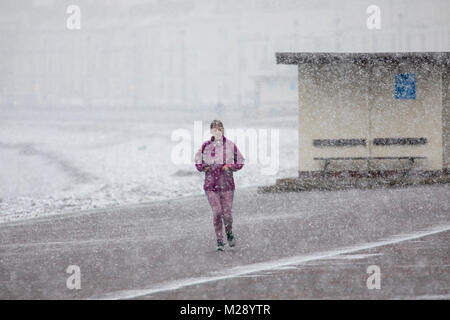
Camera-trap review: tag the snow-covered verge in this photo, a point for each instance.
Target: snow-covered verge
(52, 165)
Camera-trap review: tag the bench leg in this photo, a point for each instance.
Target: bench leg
(410, 165)
(327, 162)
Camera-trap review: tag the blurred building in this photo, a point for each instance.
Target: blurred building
(188, 54)
(372, 111)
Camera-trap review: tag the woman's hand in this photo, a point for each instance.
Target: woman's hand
(207, 168)
(226, 167)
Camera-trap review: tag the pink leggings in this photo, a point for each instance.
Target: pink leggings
(221, 202)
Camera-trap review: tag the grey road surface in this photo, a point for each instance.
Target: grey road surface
(304, 245)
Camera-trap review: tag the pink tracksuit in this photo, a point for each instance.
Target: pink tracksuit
(219, 184)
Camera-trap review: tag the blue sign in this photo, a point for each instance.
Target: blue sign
(405, 86)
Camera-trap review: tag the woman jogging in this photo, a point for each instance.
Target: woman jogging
(218, 158)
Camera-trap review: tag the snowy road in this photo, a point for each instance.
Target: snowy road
(290, 245)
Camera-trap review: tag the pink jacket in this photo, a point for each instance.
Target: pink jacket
(215, 155)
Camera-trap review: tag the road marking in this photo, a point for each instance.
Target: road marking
(428, 297)
(269, 265)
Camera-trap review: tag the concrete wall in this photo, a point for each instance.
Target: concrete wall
(350, 101)
(446, 117)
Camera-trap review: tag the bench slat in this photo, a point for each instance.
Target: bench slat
(368, 158)
(327, 160)
(338, 142)
(401, 141)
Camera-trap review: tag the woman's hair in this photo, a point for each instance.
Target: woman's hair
(216, 124)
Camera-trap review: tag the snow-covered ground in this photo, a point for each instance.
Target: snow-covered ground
(57, 161)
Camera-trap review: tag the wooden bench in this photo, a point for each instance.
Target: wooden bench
(328, 159)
